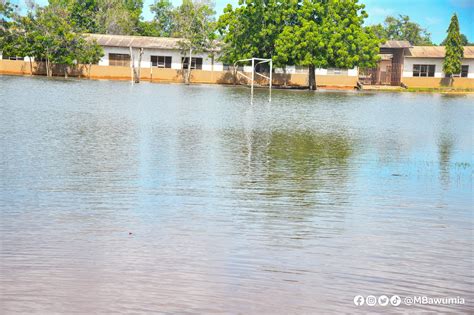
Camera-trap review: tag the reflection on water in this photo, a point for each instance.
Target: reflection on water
(293, 206)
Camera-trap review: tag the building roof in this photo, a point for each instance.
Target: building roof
(136, 41)
(436, 52)
(396, 44)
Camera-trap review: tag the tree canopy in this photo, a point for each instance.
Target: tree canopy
(49, 34)
(464, 41)
(312, 33)
(194, 23)
(402, 28)
(454, 49)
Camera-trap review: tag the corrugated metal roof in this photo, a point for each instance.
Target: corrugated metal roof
(136, 41)
(436, 52)
(396, 44)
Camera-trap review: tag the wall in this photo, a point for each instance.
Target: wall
(176, 76)
(438, 62)
(459, 83)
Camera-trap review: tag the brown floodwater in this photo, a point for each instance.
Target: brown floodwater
(193, 200)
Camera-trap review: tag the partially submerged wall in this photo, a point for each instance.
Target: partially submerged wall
(173, 76)
(457, 83)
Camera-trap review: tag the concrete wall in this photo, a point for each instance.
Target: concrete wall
(438, 62)
(459, 83)
(174, 75)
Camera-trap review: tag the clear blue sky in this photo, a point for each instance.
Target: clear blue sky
(431, 14)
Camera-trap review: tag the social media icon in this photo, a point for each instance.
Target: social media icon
(359, 300)
(395, 300)
(383, 300)
(371, 300)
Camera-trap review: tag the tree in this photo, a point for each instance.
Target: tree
(195, 25)
(89, 54)
(464, 41)
(49, 34)
(454, 49)
(163, 17)
(402, 28)
(83, 14)
(251, 29)
(7, 10)
(134, 8)
(327, 34)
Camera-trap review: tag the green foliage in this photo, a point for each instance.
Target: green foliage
(50, 34)
(7, 12)
(134, 8)
(328, 34)
(163, 17)
(454, 49)
(83, 15)
(314, 33)
(402, 28)
(194, 23)
(464, 41)
(252, 28)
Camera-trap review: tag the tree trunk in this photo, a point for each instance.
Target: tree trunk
(312, 77)
(49, 70)
(137, 74)
(188, 74)
(89, 71)
(132, 61)
(65, 71)
(31, 66)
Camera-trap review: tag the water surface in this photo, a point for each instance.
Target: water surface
(288, 207)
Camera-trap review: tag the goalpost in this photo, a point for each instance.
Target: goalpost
(255, 62)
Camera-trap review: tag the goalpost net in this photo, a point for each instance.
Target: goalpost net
(255, 63)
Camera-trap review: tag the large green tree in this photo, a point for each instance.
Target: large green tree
(49, 34)
(327, 34)
(402, 28)
(454, 49)
(194, 23)
(251, 29)
(7, 10)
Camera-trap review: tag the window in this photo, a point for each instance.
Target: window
(4, 57)
(161, 61)
(196, 63)
(464, 71)
(337, 71)
(119, 60)
(424, 70)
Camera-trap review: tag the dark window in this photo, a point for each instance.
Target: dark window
(161, 61)
(4, 57)
(119, 60)
(196, 63)
(424, 70)
(464, 71)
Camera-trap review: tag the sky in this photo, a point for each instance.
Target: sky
(433, 15)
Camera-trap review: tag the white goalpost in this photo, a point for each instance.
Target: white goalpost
(256, 62)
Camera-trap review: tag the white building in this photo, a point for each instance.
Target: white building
(161, 52)
(165, 52)
(427, 61)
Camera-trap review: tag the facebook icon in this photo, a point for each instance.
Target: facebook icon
(359, 300)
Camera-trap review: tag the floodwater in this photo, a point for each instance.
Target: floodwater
(191, 199)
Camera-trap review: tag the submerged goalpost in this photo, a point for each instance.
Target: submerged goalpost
(256, 62)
